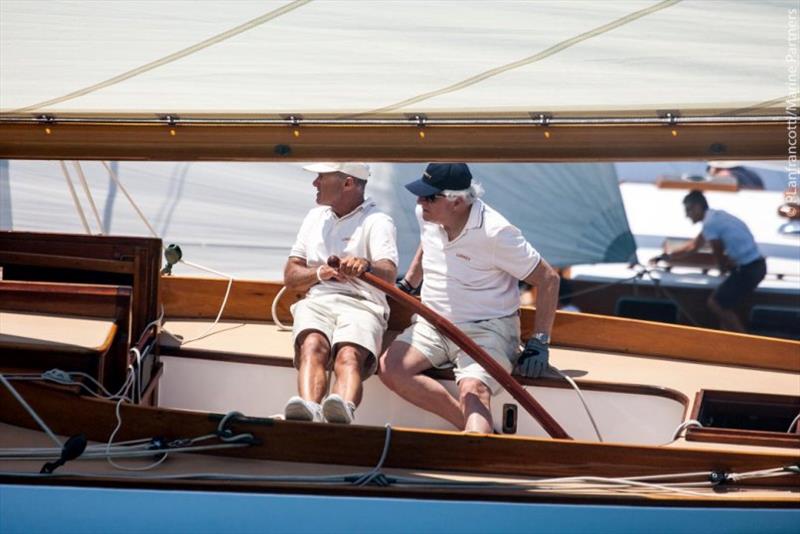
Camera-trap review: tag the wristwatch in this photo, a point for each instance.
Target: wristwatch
(542, 338)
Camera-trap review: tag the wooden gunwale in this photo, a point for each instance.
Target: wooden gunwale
(68, 414)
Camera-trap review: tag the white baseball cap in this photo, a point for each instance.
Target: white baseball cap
(354, 169)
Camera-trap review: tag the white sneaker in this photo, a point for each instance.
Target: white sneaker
(299, 409)
(336, 410)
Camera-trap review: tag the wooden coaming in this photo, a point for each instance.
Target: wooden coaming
(185, 297)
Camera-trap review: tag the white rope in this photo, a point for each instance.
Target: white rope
(224, 300)
(129, 382)
(114, 177)
(275, 319)
(74, 195)
(138, 381)
(88, 193)
(683, 426)
(582, 399)
(794, 422)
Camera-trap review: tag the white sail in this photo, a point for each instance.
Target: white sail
(242, 218)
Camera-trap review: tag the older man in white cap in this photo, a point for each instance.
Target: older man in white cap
(340, 323)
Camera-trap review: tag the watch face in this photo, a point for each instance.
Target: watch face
(544, 338)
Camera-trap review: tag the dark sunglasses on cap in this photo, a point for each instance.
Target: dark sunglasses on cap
(432, 198)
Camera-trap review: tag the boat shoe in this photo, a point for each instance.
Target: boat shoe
(336, 410)
(299, 409)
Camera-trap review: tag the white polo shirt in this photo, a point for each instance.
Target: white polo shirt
(475, 276)
(365, 232)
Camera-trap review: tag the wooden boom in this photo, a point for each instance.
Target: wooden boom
(450, 330)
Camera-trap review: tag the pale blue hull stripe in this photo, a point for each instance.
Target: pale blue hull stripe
(42, 509)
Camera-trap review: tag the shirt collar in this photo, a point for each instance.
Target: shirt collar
(708, 214)
(364, 206)
(475, 219)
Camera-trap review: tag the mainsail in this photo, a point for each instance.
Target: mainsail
(242, 218)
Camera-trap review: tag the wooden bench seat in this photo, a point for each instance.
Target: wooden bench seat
(73, 327)
(41, 342)
(79, 335)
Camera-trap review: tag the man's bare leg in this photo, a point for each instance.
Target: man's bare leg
(400, 368)
(347, 367)
(475, 398)
(314, 353)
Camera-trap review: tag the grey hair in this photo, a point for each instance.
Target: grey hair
(474, 191)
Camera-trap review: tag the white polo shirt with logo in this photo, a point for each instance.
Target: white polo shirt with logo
(365, 232)
(475, 276)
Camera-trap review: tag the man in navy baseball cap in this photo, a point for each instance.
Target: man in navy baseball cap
(441, 176)
(468, 265)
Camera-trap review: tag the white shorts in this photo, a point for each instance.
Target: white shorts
(498, 337)
(341, 319)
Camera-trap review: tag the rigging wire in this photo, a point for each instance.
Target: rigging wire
(113, 175)
(88, 193)
(125, 449)
(30, 410)
(74, 195)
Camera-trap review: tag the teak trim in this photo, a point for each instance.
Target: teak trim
(738, 436)
(260, 142)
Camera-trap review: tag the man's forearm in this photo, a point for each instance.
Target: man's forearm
(300, 278)
(385, 270)
(414, 273)
(546, 304)
(685, 250)
(546, 281)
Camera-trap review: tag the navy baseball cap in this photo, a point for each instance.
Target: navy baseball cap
(440, 176)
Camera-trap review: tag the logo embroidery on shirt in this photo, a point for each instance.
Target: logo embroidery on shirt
(463, 257)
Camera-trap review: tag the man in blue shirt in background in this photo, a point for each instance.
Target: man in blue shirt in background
(735, 250)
